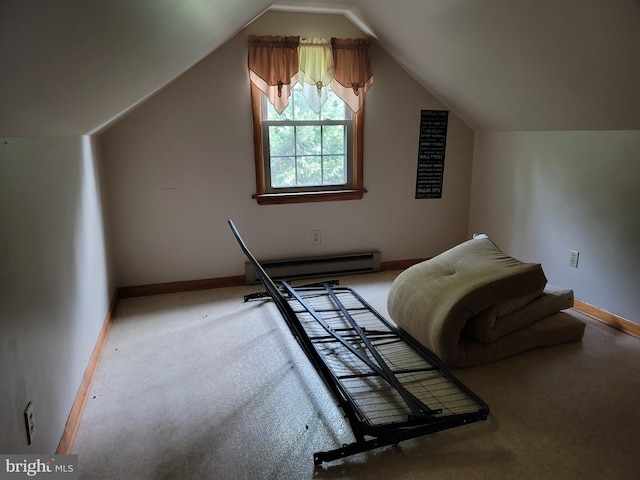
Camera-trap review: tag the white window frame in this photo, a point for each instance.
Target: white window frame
(265, 194)
(348, 150)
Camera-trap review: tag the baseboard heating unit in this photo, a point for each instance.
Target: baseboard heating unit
(389, 388)
(310, 267)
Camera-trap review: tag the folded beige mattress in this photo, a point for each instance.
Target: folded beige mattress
(474, 304)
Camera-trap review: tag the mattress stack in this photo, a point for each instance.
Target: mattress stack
(473, 304)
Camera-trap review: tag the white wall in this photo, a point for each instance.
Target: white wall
(182, 163)
(54, 282)
(541, 194)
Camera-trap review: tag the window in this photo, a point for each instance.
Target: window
(307, 156)
(308, 153)
(305, 150)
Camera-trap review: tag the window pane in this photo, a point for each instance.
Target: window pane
(301, 108)
(308, 140)
(309, 171)
(283, 172)
(334, 108)
(333, 139)
(281, 140)
(334, 170)
(287, 113)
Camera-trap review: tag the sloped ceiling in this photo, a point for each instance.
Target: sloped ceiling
(73, 66)
(523, 64)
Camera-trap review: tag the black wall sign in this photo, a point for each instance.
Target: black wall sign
(431, 153)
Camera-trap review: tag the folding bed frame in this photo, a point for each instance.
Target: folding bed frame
(389, 387)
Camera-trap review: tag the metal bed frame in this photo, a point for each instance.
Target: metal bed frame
(389, 387)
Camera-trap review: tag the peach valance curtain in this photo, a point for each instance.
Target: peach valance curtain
(352, 73)
(277, 63)
(273, 67)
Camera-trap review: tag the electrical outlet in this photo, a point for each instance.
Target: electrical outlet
(316, 237)
(30, 423)
(573, 258)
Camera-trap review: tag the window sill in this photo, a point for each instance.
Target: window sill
(308, 197)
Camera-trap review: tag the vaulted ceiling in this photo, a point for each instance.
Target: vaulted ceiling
(70, 67)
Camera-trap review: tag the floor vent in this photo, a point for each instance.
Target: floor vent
(309, 267)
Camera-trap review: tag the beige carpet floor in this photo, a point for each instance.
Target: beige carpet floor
(201, 385)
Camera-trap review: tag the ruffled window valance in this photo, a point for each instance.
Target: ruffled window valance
(316, 70)
(352, 70)
(277, 63)
(273, 67)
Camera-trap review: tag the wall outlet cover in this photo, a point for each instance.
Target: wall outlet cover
(573, 258)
